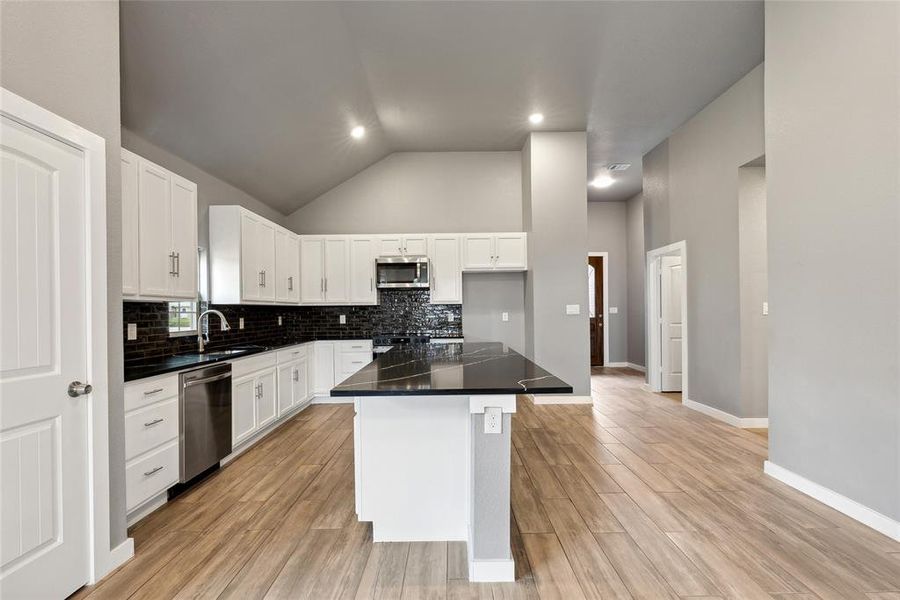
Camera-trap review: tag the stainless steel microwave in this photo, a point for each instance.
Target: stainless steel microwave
(402, 272)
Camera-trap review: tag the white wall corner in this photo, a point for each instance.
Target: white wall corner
(721, 415)
(496, 570)
(851, 508)
(117, 557)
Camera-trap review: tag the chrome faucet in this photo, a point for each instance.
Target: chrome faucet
(203, 338)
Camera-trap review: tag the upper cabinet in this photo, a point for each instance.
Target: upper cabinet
(159, 232)
(403, 245)
(251, 259)
(324, 268)
(362, 270)
(446, 274)
(495, 252)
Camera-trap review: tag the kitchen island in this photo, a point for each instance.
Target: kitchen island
(432, 445)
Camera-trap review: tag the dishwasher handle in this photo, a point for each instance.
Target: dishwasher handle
(193, 382)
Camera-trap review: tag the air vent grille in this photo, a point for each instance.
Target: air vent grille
(618, 166)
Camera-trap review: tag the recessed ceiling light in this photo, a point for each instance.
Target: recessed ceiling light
(536, 118)
(602, 181)
(358, 132)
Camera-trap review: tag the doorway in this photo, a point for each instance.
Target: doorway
(667, 326)
(598, 277)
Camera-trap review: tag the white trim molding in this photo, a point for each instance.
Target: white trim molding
(102, 558)
(617, 365)
(721, 415)
(637, 367)
(496, 570)
(605, 257)
(851, 508)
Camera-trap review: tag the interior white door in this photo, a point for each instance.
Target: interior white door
(312, 275)
(670, 322)
(362, 270)
(44, 538)
(130, 227)
(184, 237)
(157, 259)
(337, 288)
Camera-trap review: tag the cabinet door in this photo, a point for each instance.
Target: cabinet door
(265, 255)
(446, 275)
(286, 387)
(251, 277)
(415, 245)
(184, 237)
(287, 267)
(324, 378)
(337, 288)
(312, 276)
(130, 220)
(390, 245)
(266, 398)
(510, 251)
(243, 408)
(362, 270)
(156, 256)
(478, 252)
(302, 391)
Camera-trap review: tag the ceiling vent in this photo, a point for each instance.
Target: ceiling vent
(618, 167)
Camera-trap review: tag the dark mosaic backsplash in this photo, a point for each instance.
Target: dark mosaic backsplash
(400, 311)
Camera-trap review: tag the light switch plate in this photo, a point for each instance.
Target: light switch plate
(279, 320)
(765, 308)
(241, 323)
(573, 309)
(613, 310)
(132, 331)
(343, 319)
(504, 316)
(493, 419)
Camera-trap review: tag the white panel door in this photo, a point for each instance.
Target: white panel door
(266, 398)
(390, 245)
(44, 345)
(157, 258)
(243, 408)
(362, 270)
(446, 274)
(510, 251)
(312, 274)
(415, 245)
(287, 267)
(671, 296)
(478, 252)
(184, 237)
(251, 276)
(265, 254)
(130, 219)
(337, 284)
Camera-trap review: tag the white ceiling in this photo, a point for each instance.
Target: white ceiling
(263, 95)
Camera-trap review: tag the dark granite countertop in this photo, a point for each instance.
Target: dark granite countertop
(451, 369)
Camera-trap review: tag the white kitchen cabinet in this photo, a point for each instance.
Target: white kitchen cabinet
(243, 408)
(337, 281)
(293, 385)
(446, 271)
(323, 356)
(251, 259)
(324, 270)
(266, 398)
(130, 224)
(312, 270)
(287, 267)
(403, 245)
(362, 270)
(167, 232)
(495, 252)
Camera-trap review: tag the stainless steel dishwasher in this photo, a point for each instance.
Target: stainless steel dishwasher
(205, 404)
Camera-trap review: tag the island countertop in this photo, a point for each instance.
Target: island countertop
(451, 369)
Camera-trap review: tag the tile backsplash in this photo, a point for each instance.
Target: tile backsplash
(400, 311)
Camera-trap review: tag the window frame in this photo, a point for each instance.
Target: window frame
(178, 307)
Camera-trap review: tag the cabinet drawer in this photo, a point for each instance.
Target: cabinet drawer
(151, 474)
(147, 391)
(291, 354)
(150, 426)
(251, 364)
(351, 362)
(355, 346)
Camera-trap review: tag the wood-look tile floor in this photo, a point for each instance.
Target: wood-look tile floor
(636, 497)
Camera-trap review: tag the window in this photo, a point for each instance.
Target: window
(182, 318)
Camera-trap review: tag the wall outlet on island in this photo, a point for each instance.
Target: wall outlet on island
(493, 419)
(241, 323)
(343, 319)
(132, 331)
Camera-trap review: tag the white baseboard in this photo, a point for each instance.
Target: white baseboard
(121, 554)
(332, 400)
(146, 508)
(721, 415)
(561, 399)
(637, 367)
(620, 365)
(838, 502)
(492, 570)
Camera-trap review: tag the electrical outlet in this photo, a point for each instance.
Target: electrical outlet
(132, 331)
(504, 316)
(493, 419)
(451, 317)
(613, 310)
(343, 319)
(765, 308)
(241, 323)
(279, 320)
(573, 309)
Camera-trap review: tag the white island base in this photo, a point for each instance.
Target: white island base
(427, 471)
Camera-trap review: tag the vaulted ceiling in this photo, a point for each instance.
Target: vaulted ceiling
(264, 94)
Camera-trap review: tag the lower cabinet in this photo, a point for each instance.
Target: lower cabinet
(324, 366)
(254, 404)
(293, 385)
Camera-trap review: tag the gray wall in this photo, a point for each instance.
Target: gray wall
(691, 193)
(636, 282)
(485, 297)
(608, 232)
(64, 56)
(450, 191)
(555, 216)
(832, 167)
(754, 290)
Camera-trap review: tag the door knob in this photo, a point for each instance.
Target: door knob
(76, 388)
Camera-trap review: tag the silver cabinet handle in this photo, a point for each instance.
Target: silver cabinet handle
(151, 392)
(178, 264)
(153, 470)
(356, 362)
(172, 264)
(326, 285)
(290, 284)
(371, 285)
(76, 388)
(322, 284)
(296, 375)
(153, 422)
